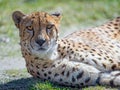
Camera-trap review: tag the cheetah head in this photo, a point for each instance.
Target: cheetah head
(38, 31)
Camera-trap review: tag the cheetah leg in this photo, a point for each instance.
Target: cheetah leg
(80, 74)
(74, 74)
(77, 74)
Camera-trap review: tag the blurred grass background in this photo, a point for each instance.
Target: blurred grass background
(76, 15)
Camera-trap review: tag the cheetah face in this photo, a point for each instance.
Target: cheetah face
(38, 31)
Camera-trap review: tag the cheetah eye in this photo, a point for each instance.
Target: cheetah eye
(50, 26)
(29, 28)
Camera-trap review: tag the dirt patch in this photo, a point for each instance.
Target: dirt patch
(12, 63)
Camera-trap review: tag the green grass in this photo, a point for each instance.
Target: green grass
(76, 14)
(47, 86)
(50, 86)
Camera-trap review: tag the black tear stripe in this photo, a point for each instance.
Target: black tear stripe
(31, 38)
(56, 33)
(26, 38)
(33, 33)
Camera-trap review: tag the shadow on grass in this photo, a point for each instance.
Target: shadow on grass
(20, 84)
(27, 83)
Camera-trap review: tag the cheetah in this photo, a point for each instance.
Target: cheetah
(84, 58)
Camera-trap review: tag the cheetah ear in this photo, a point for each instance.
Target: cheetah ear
(57, 16)
(17, 17)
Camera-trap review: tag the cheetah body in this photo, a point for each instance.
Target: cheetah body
(83, 58)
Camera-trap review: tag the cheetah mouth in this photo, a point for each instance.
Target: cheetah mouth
(41, 49)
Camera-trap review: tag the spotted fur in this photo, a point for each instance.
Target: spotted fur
(83, 58)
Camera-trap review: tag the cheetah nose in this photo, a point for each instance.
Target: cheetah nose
(40, 42)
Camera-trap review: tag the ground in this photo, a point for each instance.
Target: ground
(76, 15)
